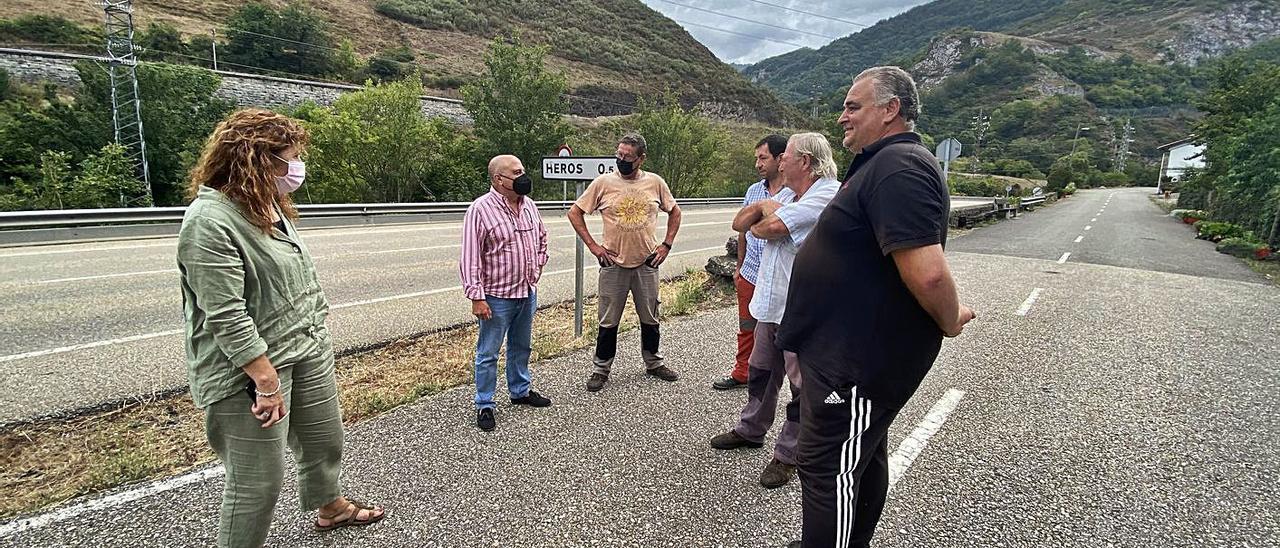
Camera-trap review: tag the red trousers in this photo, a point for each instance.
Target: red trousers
(746, 327)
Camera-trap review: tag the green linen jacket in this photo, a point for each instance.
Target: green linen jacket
(245, 293)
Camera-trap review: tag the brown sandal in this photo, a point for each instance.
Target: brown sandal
(352, 519)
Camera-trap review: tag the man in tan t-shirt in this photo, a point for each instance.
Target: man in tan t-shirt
(628, 201)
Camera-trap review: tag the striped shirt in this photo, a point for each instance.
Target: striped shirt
(503, 251)
(755, 246)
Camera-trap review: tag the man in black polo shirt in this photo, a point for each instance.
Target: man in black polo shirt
(871, 298)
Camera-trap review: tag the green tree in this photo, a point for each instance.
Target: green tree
(684, 148)
(517, 105)
(293, 40)
(375, 145)
(163, 42)
(107, 179)
(179, 110)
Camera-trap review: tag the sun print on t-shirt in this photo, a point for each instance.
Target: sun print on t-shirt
(632, 211)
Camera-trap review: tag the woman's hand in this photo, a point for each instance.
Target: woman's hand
(268, 406)
(270, 409)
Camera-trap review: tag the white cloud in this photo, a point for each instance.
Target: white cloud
(839, 18)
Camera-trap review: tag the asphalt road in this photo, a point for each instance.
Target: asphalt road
(86, 323)
(1120, 227)
(1089, 405)
(83, 324)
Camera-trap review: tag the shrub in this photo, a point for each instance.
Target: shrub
(1215, 231)
(1069, 189)
(1240, 247)
(1192, 215)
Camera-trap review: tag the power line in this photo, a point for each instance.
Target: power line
(854, 23)
(317, 46)
(717, 29)
(713, 12)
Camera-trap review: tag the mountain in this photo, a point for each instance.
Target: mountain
(1177, 31)
(615, 52)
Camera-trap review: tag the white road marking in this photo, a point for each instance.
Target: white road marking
(1093, 220)
(85, 346)
(1026, 305)
(1088, 227)
(404, 249)
(1079, 239)
(112, 501)
(61, 251)
(99, 277)
(1063, 258)
(145, 336)
(914, 443)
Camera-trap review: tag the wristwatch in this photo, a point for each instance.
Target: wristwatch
(667, 245)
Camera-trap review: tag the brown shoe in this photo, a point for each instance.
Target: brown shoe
(731, 440)
(777, 474)
(663, 372)
(596, 382)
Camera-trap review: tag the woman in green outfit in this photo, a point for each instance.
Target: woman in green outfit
(259, 358)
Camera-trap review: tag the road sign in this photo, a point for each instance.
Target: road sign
(948, 150)
(580, 168)
(564, 151)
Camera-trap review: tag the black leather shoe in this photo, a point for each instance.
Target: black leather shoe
(728, 383)
(532, 399)
(596, 382)
(731, 440)
(663, 372)
(777, 474)
(485, 420)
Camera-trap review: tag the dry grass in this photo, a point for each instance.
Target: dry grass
(51, 461)
(1269, 269)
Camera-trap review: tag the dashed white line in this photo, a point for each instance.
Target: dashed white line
(1089, 227)
(1026, 305)
(914, 443)
(1079, 239)
(1063, 258)
(1093, 220)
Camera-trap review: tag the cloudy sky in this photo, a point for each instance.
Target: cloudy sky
(746, 31)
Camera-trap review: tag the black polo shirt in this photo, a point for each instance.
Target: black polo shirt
(849, 315)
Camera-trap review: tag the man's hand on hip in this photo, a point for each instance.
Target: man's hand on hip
(659, 255)
(604, 255)
(480, 309)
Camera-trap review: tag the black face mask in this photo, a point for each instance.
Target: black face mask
(522, 185)
(626, 167)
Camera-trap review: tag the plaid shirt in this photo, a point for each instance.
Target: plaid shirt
(755, 246)
(502, 252)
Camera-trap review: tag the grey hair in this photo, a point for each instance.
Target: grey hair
(815, 146)
(889, 82)
(635, 140)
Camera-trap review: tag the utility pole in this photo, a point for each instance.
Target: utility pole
(126, 104)
(979, 125)
(1122, 152)
(1079, 127)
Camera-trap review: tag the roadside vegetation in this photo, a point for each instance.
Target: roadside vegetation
(50, 461)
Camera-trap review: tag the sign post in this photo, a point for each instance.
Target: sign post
(947, 151)
(581, 170)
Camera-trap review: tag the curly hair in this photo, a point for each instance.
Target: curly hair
(238, 160)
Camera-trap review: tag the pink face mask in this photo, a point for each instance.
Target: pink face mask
(292, 180)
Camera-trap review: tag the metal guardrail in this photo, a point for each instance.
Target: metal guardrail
(14, 220)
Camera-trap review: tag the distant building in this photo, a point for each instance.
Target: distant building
(1179, 156)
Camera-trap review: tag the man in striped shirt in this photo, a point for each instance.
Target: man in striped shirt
(749, 249)
(504, 247)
